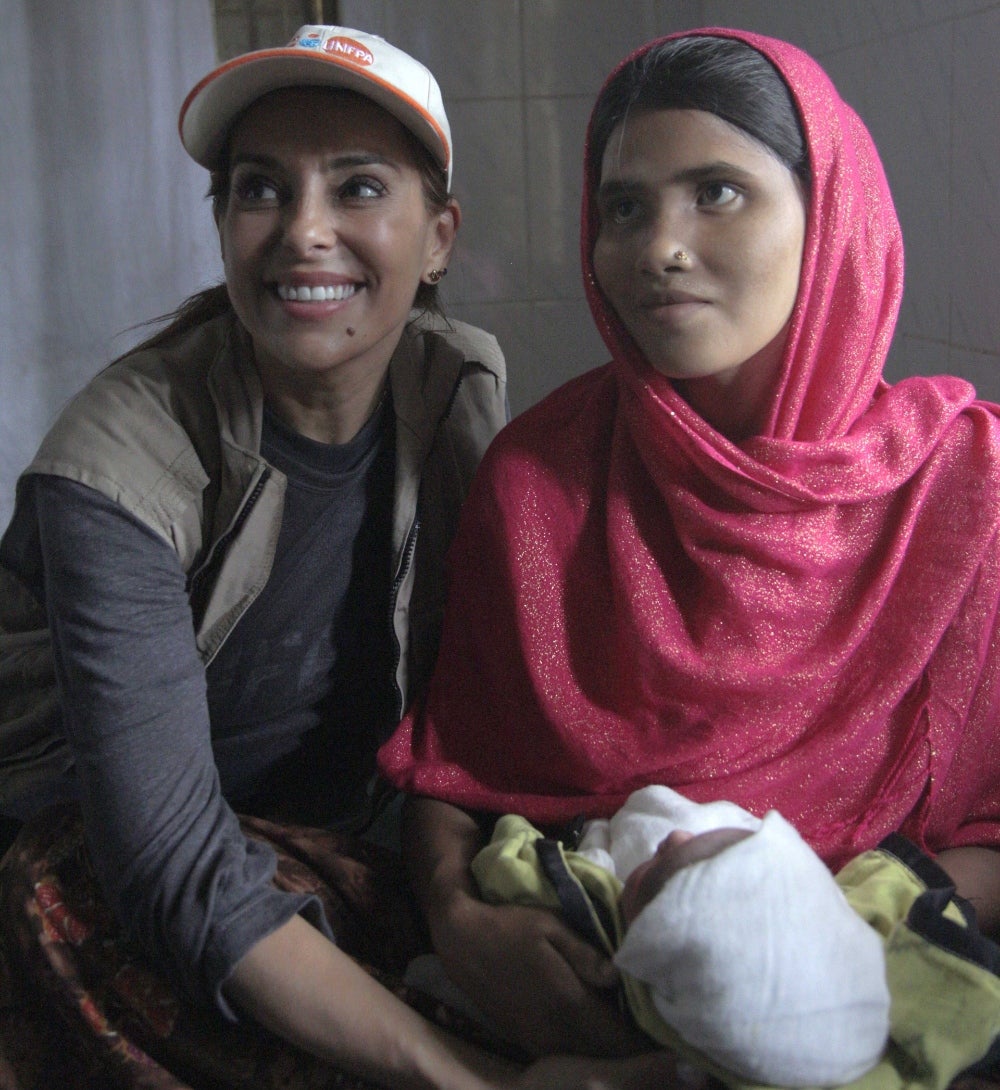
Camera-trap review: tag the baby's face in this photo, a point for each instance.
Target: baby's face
(678, 850)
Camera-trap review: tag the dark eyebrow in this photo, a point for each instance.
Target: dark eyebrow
(704, 172)
(615, 188)
(358, 159)
(255, 160)
(708, 172)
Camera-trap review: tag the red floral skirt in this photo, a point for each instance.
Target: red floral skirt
(81, 1008)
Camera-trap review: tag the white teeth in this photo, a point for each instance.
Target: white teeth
(318, 294)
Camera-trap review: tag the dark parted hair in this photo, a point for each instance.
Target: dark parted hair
(722, 76)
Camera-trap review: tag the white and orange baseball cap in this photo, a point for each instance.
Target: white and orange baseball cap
(317, 56)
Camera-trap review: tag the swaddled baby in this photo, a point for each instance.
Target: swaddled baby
(750, 949)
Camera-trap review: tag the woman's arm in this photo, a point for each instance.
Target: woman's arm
(302, 987)
(976, 874)
(289, 981)
(532, 976)
(167, 849)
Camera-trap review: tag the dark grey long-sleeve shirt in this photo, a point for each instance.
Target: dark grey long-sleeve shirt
(286, 719)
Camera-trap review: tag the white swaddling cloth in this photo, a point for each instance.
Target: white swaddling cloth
(754, 956)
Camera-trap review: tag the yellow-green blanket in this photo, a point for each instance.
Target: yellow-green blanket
(943, 975)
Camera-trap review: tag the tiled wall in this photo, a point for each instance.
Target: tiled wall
(242, 25)
(519, 77)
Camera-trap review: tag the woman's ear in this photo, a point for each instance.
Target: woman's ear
(444, 228)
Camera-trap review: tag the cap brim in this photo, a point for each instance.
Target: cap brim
(218, 100)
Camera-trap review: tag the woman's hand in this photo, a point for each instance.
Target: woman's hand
(653, 1071)
(534, 978)
(976, 874)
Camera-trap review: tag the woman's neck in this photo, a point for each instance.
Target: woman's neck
(737, 402)
(328, 412)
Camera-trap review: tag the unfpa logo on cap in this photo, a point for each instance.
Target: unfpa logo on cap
(350, 50)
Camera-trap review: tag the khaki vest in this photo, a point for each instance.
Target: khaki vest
(173, 435)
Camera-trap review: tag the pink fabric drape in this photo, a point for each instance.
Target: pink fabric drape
(803, 621)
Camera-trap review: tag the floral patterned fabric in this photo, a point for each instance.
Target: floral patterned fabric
(80, 1007)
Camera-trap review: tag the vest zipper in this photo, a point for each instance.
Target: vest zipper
(222, 543)
(408, 550)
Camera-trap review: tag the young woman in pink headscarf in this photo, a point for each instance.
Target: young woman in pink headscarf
(733, 560)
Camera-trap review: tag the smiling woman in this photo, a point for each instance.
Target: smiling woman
(222, 584)
(325, 232)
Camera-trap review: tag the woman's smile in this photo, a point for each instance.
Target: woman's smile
(326, 233)
(315, 293)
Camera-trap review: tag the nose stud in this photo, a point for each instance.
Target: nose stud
(681, 255)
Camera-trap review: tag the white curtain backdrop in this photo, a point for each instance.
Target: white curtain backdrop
(103, 221)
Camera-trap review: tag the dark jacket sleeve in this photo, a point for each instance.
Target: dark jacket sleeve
(180, 875)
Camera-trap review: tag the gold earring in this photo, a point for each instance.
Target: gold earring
(435, 275)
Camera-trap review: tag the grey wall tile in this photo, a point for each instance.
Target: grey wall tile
(975, 181)
(492, 255)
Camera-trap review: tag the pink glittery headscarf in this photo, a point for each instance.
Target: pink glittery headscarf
(805, 621)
